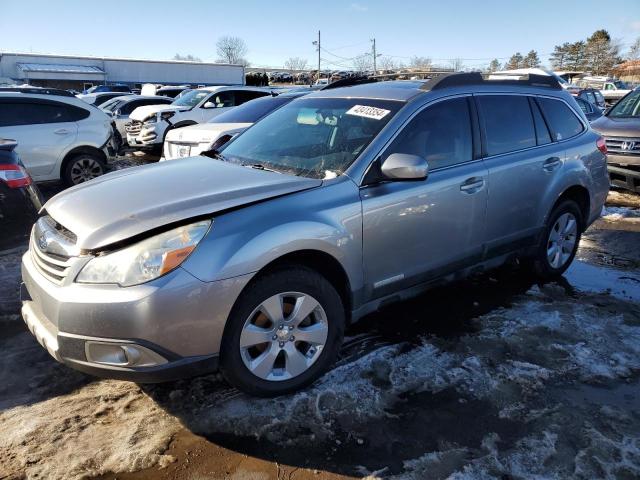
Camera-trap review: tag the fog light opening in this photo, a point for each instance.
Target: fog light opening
(122, 355)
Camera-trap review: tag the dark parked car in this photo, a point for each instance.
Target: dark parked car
(172, 92)
(20, 199)
(591, 111)
(118, 87)
(590, 95)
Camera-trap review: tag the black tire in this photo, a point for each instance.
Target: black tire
(82, 160)
(285, 279)
(539, 264)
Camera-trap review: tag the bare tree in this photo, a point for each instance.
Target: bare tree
(362, 63)
(296, 63)
(388, 63)
(231, 50)
(456, 64)
(423, 63)
(186, 58)
(634, 50)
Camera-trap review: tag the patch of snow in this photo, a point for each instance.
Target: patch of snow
(619, 213)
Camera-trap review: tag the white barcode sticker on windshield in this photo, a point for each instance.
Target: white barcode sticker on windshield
(368, 112)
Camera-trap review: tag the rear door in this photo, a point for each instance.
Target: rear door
(414, 231)
(44, 130)
(522, 160)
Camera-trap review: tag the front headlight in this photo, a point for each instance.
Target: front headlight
(145, 260)
(151, 119)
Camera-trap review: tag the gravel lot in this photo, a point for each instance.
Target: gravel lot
(493, 377)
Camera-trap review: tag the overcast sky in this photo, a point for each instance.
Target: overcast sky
(475, 31)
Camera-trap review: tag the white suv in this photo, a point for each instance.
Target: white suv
(59, 136)
(149, 124)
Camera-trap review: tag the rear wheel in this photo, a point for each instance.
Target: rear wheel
(82, 168)
(284, 332)
(559, 241)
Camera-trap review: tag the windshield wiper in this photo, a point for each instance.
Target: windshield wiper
(259, 166)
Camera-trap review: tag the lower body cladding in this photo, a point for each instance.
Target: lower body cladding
(163, 330)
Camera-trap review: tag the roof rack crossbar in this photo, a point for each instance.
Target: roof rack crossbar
(449, 80)
(38, 91)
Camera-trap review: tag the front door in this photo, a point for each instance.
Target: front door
(414, 231)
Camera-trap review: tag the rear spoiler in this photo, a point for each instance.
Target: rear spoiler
(7, 144)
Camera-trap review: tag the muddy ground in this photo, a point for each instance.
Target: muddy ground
(491, 378)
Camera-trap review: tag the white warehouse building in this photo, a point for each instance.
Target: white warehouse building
(79, 73)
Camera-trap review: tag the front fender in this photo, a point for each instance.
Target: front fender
(326, 219)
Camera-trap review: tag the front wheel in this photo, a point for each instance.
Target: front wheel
(559, 242)
(284, 332)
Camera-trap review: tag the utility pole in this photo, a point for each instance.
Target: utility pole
(375, 70)
(317, 43)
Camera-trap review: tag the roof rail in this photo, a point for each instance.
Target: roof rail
(349, 82)
(38, 91)
(476, 78)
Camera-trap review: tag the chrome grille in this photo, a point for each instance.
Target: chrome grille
(133, 127)
(52, 247)
(54, 268)
(623, 146)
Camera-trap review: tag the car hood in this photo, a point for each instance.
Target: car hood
(204, 132)
(123, 204)
(141, 113)
(617, 127)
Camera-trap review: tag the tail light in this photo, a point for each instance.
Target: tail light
(602, 145)
(14, 176)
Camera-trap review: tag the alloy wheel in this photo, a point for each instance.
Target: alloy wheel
(85, 169)
(284, 336)
(562, 240)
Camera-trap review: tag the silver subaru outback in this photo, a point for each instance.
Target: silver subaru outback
(253, 259)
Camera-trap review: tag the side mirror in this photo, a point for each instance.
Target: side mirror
(403, 166)
(209, 105)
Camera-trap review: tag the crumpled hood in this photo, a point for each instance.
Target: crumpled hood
(141, 113)
(123, 204)
(617, 127)
(204, 132)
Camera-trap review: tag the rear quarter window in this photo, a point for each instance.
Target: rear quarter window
(562, 120)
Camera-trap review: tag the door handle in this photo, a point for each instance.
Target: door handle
(472, 185)
(550, 164)
(61, 131)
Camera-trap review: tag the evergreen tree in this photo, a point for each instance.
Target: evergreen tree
(531, 60)
(494, 66)
(514, 62)
(601, 54)
(559, 56)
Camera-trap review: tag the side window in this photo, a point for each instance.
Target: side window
(591, 98)
(223, 99)
(542, 132)
(599, 98)
(508, 123)
(131, 106)
(28, 113)
(562, 120)
(441, 134)
(11, 114)
(243, 96)
(584, 106)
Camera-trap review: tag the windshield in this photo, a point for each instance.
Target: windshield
(628, 107)
(252, 111)
(312, 137)
(620, 85)
(191, 99)
(111, 104)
